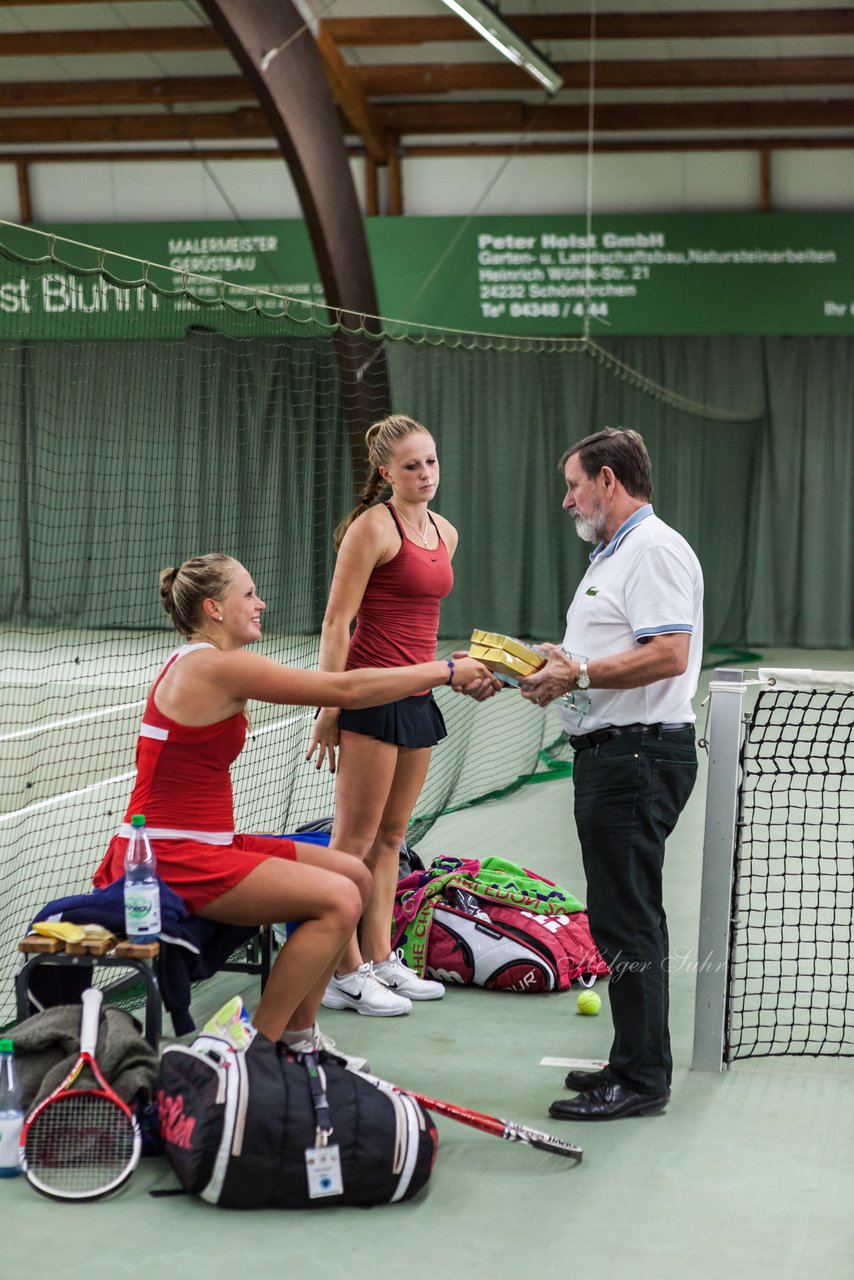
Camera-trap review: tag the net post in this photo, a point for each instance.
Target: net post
(726, 691)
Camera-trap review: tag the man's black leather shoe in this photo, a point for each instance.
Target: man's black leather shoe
(608, 1101)
(582, 1080)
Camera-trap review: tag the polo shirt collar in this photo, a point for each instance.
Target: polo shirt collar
(608, 548)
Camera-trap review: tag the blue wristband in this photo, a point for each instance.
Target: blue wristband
(450, 663)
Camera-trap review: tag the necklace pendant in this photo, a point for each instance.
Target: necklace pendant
(422, 536)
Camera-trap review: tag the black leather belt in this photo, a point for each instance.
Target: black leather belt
(592, 739)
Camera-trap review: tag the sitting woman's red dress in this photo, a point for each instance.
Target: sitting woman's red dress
(183, 786)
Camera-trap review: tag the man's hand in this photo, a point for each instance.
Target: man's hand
(558, 677)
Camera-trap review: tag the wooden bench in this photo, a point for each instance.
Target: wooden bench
(137, 959)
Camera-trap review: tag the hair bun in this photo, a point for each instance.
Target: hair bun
(167, 582)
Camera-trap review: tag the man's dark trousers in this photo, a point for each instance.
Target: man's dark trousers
(629, 793)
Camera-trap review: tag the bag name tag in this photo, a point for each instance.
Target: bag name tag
(323, 1167)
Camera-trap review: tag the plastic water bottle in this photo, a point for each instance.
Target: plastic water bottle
(142, 892)
(11, 1112)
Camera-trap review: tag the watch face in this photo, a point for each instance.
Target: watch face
(583, 679)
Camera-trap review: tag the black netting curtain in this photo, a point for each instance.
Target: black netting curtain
(118, 457)
(122, 457)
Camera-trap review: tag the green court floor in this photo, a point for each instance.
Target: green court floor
(748, 1173)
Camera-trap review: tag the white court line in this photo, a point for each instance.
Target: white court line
(69, 795)
(71, 720)
(122, 706)
(280, 724)
(577, 1064)
(123, 777)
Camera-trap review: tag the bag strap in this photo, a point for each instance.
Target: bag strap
(320, 1102)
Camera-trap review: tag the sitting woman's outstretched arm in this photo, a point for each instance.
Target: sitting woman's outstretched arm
(215, 605)
(250, 676)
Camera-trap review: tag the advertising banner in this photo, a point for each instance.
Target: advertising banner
(524, 276)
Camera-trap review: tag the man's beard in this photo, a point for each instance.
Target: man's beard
(592, 528)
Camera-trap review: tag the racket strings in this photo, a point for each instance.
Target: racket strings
(82, 1142)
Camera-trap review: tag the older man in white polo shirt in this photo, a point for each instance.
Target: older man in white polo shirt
(627, 672)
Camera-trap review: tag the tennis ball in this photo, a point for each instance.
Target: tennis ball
(589, 1002)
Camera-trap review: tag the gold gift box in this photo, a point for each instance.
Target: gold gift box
(507, 657)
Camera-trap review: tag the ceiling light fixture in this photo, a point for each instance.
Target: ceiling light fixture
(487, 22)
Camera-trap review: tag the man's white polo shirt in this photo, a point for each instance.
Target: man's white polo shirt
(645, 582)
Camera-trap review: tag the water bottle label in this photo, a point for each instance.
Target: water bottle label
(10, 1132)
(142, 910)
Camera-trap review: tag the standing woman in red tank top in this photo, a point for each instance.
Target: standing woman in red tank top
(393, 569)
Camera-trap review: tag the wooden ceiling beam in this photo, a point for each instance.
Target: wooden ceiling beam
(746, 142)
(392, 81)
(687, 25)
(247, 122)
(362, 32)
(630, 118)
(105, 155)
(108, 93)
(46, 4)
(63, 44)
(695, 73)
(609, 26)
(445, 118)
(349, 95)
(151, 154)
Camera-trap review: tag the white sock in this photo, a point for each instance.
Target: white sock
(294, 1037)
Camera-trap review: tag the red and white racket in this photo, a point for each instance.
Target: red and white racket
(81, 1143)
(508, 1129)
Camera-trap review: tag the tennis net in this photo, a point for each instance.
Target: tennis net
(778, 912)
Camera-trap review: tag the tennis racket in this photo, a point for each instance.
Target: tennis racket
(81, 1143)
(507, 1129)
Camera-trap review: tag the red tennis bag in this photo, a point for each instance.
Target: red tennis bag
(510, 949)
(494, 925)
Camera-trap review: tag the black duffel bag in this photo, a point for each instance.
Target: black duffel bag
(264, 1128)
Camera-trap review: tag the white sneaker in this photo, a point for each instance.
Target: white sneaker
(317, 1040)
(405, 981)
(364, 993)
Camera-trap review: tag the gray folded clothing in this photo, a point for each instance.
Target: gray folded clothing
(47, 1046)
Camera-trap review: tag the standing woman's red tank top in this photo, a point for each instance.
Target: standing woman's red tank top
(398, 620)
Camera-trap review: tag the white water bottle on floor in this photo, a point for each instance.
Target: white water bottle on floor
(142, 891)
(11, 1112)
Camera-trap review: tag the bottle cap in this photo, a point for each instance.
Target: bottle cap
(7, 1046)
(138, 820)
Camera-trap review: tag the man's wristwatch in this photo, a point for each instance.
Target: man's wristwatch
(583, 680)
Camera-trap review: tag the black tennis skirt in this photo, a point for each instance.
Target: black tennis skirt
(411, 722)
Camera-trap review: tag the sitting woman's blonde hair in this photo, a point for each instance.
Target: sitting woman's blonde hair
(183, 591)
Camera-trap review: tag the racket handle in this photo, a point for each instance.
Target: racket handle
(91, 999)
